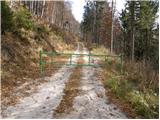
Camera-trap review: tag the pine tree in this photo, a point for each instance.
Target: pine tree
(6, 18)
(138, 21)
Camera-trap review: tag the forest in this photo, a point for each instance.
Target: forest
(134, 33)
(106, 66)
(133, 23)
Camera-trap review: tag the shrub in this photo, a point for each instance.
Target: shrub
(109, 61)
(41, 29)
(141, 106)
(99, 50)
(57, 30)
(144, 104)
(23, 19)
(142, 74)
(118, 66)
(119, 87)
(113, 84)
(6, 18)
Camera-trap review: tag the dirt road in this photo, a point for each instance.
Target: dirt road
(90, 102)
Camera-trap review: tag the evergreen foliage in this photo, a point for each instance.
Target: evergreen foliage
(6, 18)
(146, 39)
(23, 19)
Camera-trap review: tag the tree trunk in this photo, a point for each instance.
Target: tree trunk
(112, 26)
(43, 4)
(132, 27)
(133, 40)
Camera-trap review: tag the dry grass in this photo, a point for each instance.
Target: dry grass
(134, 91)
(123, 105)
(20, 62)
(70, 91)
(31, 77)
(143, 75)
(80, 61)
(100, 50)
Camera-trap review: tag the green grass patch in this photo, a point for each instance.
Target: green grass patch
(144, 104)
(113, 64)
(119, 87)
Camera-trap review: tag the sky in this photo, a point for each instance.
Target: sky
(77, 8)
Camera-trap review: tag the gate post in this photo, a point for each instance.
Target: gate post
(89, 59)
(70, 59)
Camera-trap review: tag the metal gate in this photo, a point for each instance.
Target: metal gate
(68, 59)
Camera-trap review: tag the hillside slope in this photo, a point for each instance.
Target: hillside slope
(21, 46)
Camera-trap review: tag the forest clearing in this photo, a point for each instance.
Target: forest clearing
(102, 64)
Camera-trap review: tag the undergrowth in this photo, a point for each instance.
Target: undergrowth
(133, 89)
(23, 19)
(22, 39)
(144, 104)
(132, 83)
(99, 50)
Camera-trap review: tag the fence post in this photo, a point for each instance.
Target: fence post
(105, 58)
(89, 59)
(70, 59)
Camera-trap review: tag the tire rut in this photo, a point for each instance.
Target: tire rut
(47, 97)
(91, 101)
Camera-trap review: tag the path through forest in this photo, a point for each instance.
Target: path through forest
(90, 102)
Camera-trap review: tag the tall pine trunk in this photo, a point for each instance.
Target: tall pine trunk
(133, 27)
(112, 27)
